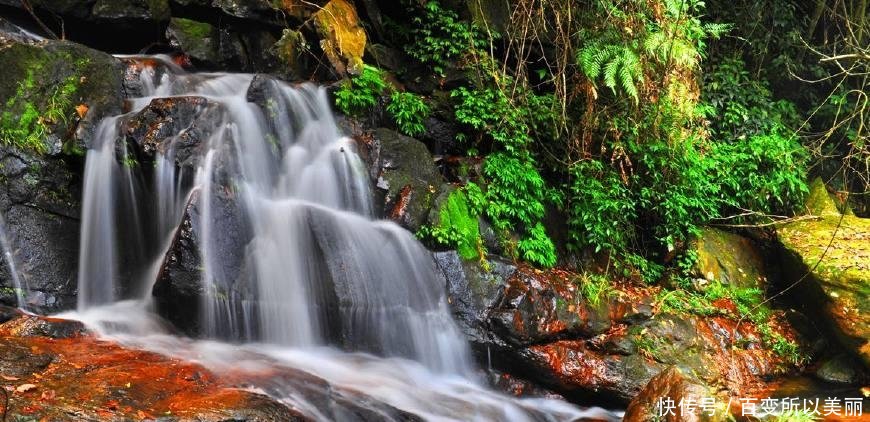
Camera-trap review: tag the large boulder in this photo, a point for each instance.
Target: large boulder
(179, 291)
(406, 176)
(583, 335)
(176, 127)
(828, 257)
(54, 92)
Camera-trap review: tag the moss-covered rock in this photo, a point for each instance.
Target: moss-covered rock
(831, 258)
(49, 87)
(819, 201)
(52, 95)
(196, 39)
(343, 38)
(152, 10)
(728, 258)
(454, 222)
(290, 50)
(408, 178)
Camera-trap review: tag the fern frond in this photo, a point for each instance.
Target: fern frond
(629, 72)
(716, 29)
(610, 71)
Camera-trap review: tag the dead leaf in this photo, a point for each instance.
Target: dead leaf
(82, 109)
(8, 378)
(25, 388)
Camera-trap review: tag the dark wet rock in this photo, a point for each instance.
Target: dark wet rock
(519, 387)
(407, 177)
(440, 136)
(133, 68)
(149, 10)
(835, 279)
(36, 326)
(179, 291)
(245, 9)
(472, 292)
(177, 124)
(675, 385)
(40, 177)
(840, 369)
(8, 313)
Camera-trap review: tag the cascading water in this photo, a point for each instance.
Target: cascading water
(317, 271)
(19, 285)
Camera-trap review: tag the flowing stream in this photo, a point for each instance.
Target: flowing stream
(322, 286)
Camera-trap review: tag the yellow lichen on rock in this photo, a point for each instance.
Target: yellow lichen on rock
(344, 40)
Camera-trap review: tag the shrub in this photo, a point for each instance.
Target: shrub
(409, 111)
(440, 37)
(360, 92)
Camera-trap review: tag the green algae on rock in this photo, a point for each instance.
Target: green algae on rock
(728, 258)
(831, 257)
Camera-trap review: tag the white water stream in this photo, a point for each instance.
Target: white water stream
(321, 273)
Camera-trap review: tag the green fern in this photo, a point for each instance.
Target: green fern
(667, 49)
(618, 65)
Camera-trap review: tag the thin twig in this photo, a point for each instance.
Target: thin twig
(29, 9)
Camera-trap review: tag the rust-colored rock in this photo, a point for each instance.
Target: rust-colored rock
(548, 326)
(84, 378)
(660, 400)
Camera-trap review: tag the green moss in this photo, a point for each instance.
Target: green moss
(192, 28)
(457, 218)
(37, 106)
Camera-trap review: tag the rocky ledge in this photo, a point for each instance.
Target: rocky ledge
(54, 369)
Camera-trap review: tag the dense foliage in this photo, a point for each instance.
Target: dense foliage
(634, 122)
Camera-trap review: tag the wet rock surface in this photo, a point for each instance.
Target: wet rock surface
(175, 127)
(59, 371)
(72, 87)
(178, 291)
(673, 384)
(406, 177)
(57, 377)
(539, 325)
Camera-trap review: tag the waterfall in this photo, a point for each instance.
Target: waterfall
(321, 269)
(324, 286)
(19, 285)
